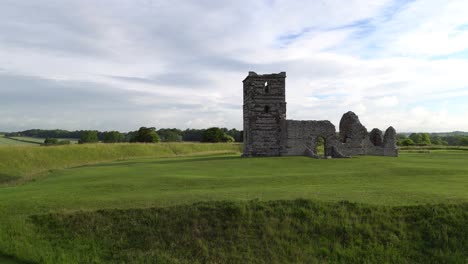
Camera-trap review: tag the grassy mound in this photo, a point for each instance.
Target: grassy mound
(28, 162)
(106, 212)
(300, 231)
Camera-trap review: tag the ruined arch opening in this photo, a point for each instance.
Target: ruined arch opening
(320, 146)
(267, 109)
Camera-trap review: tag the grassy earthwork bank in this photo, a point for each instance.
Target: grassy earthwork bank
(19, 164)
(202, 203)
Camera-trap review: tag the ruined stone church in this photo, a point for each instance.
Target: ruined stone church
(267, 132)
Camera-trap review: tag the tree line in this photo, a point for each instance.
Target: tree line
(214, 134)
(426, 139)
(144, 134)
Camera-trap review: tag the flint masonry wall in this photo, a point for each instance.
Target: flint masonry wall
(268, 133)
(264, 113)
(301, 137)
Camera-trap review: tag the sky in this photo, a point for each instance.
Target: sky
(123, 64)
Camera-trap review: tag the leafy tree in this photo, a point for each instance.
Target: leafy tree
(464, 141)
(425, 139)
(54, 141)
(406, 142)
(112, 137)
(51, 141)
(64, 142)
(214, 134)
(89, 136)
(236, 134)
(170, 135)
(227, 138)
(146, 135)
(422, 139)
(193, 135)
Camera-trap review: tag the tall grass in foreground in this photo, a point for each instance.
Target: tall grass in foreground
(300, 231)
(24, 163)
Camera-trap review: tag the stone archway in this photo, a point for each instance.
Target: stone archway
(321, 146)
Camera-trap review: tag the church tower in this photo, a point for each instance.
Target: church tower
(264, 114)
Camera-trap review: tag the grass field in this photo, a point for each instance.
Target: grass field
(411, 209)
(41, 140)
(18, 165)
(10, 142)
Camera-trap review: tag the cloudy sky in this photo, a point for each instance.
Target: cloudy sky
(122, 64)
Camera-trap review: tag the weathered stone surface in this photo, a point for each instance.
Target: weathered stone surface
(268, 133)
(264, 111)
(351, 129)
(389, 142)
(302, 135)
(376, 137)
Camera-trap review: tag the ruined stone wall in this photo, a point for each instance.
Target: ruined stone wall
(301, 137)
(268, 133)
(264, 113)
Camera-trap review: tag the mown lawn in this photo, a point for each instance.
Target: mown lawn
(413, 179)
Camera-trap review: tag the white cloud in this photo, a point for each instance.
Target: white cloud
(181, 65)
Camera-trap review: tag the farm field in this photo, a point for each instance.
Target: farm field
(41, 140)
(132, 210)
(10, 142)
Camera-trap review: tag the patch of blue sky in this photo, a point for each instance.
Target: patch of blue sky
(320, 96)
(393, 8)
(362, 28)
(288, 38)
(326, 96)
(463, 27)
(461, 55)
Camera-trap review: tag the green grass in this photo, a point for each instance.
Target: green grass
(11, 142)
(299, 231)
(28, 140)
(41, 140)
(27, 163)
(410, 209)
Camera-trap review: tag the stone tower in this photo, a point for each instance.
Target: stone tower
(264, 114)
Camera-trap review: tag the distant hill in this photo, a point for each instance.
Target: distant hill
(440, 134)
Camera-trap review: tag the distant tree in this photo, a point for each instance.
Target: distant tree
(406, 142)
(463, 141)
(422, 139)
(213, 134)
(112, 137)
(320, 142)
(228, 139)
(146, 135)
(170, 135)
(216, 134)
(54, 141)
(425, 139)
(193, 135)
(51, 141)
(415, 137)
(236, 134)
(64, 142)
(89, 136)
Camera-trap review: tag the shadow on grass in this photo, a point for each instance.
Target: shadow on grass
(12, 260)
(7, 179)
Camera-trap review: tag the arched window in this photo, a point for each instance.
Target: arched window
(267, 109)
(267, 88)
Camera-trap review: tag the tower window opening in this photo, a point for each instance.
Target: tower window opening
(267, 109)
(267, 88)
